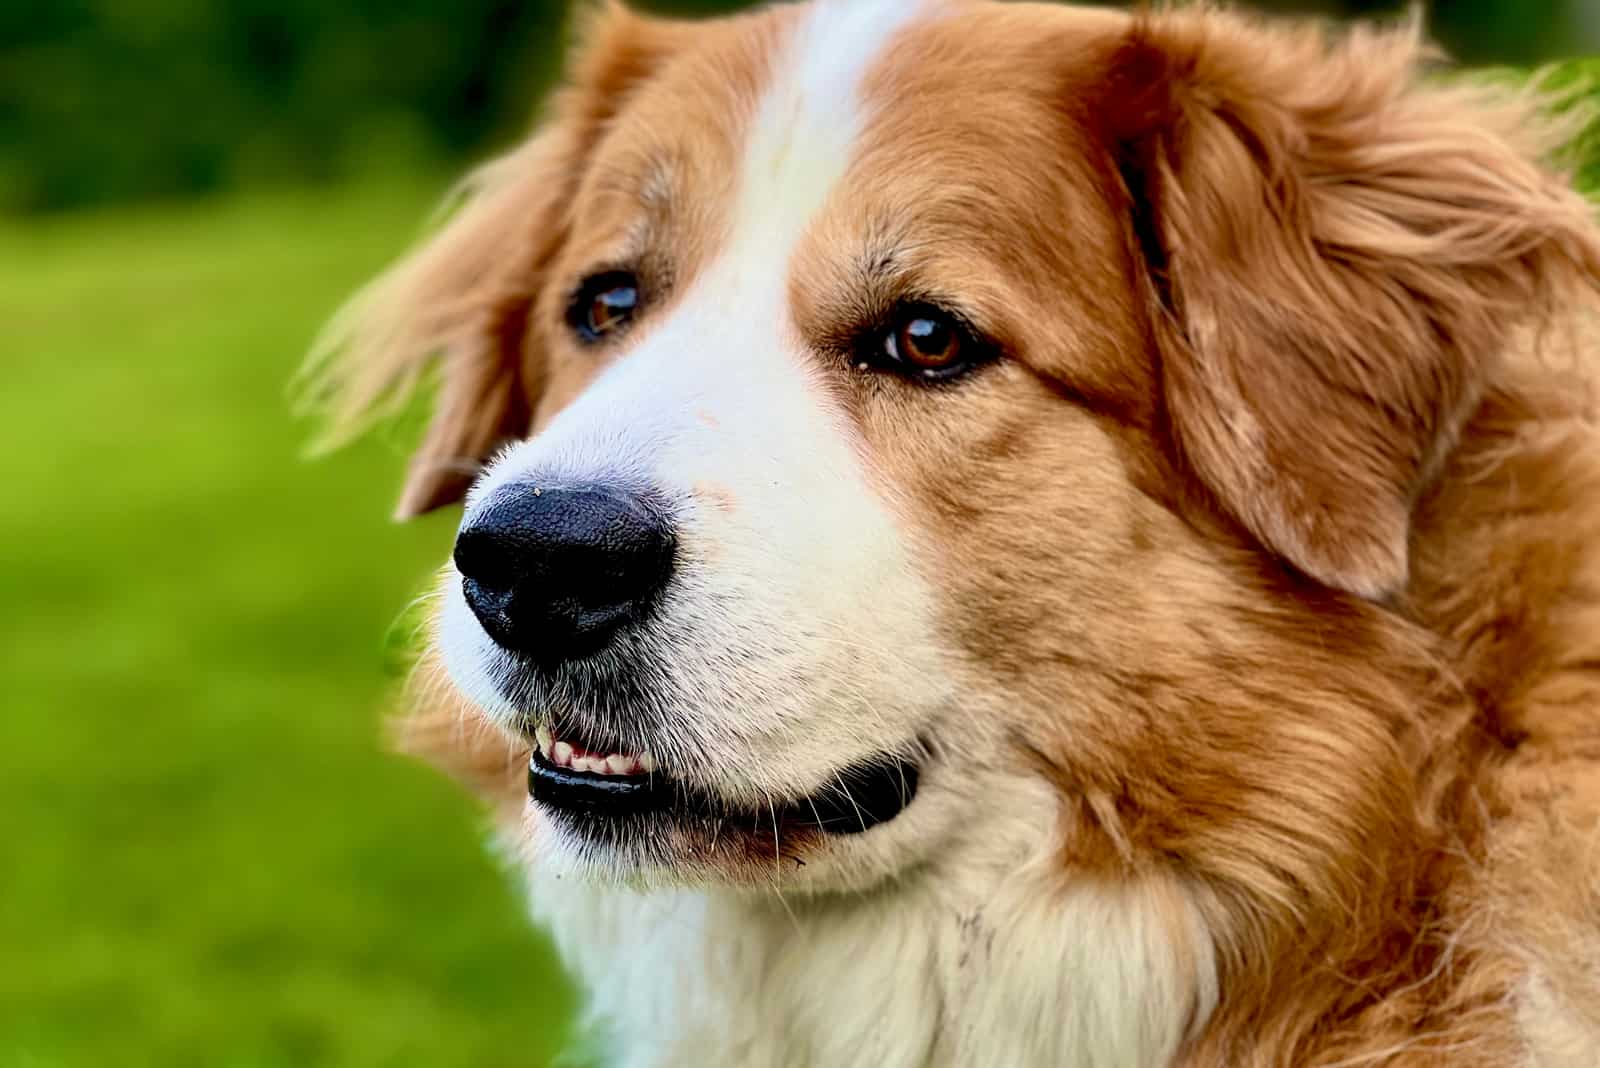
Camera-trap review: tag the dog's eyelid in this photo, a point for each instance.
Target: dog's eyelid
(974, 323)
(604, 270)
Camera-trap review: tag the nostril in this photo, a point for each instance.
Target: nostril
(553, 572)
(483, 557)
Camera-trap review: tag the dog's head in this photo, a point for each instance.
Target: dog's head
(883, 422)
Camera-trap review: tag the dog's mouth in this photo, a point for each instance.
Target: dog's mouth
(565, 776)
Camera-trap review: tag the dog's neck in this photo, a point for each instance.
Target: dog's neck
(986, 956)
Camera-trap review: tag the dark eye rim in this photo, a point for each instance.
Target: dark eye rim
(583, 298)
(873, 352)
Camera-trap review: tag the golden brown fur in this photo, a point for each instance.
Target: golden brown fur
(1291, 482)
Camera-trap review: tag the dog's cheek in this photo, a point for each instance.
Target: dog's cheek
(1022, 518)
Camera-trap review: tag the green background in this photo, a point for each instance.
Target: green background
(207, 857)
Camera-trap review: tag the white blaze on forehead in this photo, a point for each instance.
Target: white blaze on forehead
(806, 127)
(730, 338)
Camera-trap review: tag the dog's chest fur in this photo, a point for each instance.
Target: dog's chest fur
(989, 960)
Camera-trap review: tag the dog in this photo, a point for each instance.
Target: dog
(1015, 534)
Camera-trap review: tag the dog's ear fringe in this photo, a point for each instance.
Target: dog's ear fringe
(1335, 236)
(378, 348)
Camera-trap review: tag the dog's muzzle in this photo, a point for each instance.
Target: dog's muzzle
(557, 576)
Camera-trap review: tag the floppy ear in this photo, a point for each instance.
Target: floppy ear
(1334, 254)
(461, 301)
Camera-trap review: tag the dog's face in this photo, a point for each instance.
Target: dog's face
(918, 411)
(794, 337)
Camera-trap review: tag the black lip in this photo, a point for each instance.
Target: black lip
(862, 796)
(566, 788)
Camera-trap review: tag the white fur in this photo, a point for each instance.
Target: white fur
(981, 957)
(1558, 1035)
(948, 935)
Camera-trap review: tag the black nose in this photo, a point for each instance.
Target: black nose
(553, 573)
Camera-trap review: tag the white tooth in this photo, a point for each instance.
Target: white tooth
(542, 736)
(561, 753)
(617, 764)
(647, 762)
(583, 763)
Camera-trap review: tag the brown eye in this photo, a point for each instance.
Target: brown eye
(925, 343)
(604, 304)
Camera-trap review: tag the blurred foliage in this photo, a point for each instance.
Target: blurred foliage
(1577, 85)
(114, 99)
(102, 99)
(1476, 32)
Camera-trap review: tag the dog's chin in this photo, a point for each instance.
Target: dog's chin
(623, 816)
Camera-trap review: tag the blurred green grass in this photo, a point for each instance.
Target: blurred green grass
(206, 856)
